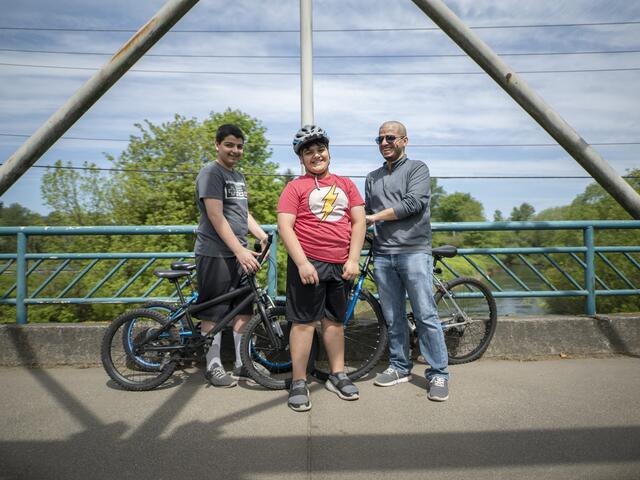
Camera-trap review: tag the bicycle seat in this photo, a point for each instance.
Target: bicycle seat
(445, 251)
(188, 266)
(171, 274)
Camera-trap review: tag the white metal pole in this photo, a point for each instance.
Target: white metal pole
(306, 62)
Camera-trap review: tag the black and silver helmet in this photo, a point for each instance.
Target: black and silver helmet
(307, 134)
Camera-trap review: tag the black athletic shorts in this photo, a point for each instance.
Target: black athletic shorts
(216, 276)
(309, 303)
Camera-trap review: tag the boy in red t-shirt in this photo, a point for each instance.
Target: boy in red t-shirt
(321, 221)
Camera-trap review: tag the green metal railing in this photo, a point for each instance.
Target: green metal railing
(62, 278)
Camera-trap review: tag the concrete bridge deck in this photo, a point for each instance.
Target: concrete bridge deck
(551, 419)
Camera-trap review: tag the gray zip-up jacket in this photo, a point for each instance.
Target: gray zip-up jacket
(406, 189)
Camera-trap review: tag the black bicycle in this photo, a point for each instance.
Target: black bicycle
(142, 348)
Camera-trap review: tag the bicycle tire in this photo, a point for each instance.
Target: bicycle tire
(137, 372)
(467, 342)
(283, 365)
(365, 341)
(261, 358)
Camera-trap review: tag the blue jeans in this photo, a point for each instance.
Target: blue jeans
(399, 276)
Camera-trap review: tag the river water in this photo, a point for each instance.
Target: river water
(519, 306)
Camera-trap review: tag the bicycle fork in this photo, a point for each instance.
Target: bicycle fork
(274, 330)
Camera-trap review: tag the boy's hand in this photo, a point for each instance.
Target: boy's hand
(247, 261)
(308, 274)
(350, 270)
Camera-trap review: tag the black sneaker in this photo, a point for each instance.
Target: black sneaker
(438, 389)
(218, 377)
(299, 400)
(340, 384)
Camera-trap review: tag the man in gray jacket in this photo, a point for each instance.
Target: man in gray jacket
(397, 203)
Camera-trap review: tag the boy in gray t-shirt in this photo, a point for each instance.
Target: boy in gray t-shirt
(221, 246)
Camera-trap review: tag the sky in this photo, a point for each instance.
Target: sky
(374, 60)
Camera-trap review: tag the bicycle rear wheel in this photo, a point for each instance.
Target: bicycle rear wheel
(469, 317)
(267, 363)
(124, 357)
(365, 340)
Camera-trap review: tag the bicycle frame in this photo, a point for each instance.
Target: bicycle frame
(442, 286)
(357, 288)
(364, 272)
(251, 293)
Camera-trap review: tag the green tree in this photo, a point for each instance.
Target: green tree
(154, 185)
(522, 213)
(76, 198)
(594, 204)
(143, 195)
(437, 192)
(461, 207)
(15, 215)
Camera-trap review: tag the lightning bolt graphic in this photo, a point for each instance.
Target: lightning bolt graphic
(329, 199)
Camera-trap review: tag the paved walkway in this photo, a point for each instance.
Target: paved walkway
(553, 419)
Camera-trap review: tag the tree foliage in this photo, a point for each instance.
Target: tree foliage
(153, 183)
(15, 215)
(459, 207)
(595, 204)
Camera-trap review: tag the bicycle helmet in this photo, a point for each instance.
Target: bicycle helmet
(307, 134)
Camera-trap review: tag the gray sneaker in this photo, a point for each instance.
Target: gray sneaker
(342, 386)
(299, 400)
(438, 389)
(218, 377)
(390, 377)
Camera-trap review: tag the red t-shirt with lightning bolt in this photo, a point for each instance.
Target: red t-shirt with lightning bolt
(323, 214)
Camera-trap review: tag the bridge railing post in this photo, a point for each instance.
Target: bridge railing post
(590, 270)
(21, 278)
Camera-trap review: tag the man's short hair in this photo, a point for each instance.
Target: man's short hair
(228, 129)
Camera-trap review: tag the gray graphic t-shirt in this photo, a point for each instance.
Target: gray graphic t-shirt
(215, 181)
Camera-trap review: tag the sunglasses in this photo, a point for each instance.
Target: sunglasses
(388, 138)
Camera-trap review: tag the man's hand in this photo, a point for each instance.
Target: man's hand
(350, 270)
(247, 261)
(370, 220)
(308, 274)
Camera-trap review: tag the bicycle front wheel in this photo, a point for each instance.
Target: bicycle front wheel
(268, 362)
(131, 361)
(468, 314)
(365, 339)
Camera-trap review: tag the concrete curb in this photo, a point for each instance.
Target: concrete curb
(521, 338)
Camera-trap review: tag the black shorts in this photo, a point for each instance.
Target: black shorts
(309, 303)
(217, 276)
